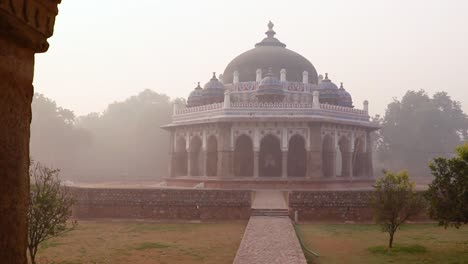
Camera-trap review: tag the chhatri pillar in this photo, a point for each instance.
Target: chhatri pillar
(24, 29)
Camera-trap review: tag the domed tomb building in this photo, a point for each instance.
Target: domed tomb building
(270, 117)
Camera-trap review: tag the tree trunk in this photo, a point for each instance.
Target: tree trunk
(32, 255)
(390, 241)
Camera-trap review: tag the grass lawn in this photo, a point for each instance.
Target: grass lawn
(414, 243)
(130, 242)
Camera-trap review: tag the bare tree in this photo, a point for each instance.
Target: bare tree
(394, 201)
(50, 207)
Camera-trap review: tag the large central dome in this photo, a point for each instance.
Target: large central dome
(270, 53)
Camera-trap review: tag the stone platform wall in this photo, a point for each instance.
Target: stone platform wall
(162, 204)
(335, 206)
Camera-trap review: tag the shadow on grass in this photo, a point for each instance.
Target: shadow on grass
(409, 249)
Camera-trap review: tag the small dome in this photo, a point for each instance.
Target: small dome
(195, 97)
(329, 93)
(214, 83)
(345, 98)
(213, 91)
(270, 89)
(327, 84)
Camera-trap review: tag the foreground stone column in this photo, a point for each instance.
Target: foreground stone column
(24, 29)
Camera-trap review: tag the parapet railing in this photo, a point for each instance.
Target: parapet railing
(270, 105)
(263, 105)
(197, 109)
(338, 108)
(288, 86)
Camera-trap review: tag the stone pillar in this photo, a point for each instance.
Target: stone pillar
(24, 29)
(316, 100)
(284, 164)
(172, 155)
(283, 75)
(203, 161)
(256, 166)
(225, 168)
(258, 75)
(347, 164)
(369, 163)
(189, 163)
(305, 77)
(314, 162)
(235, 77)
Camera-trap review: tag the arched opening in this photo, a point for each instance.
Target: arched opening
(270, 157)
(211, 156)
(344, 157)
(180, 165)
(195, 150)
(243, 157)
(358, 158)
(297, 157)
(328, 156)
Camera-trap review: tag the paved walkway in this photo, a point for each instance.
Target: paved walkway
(269, 239)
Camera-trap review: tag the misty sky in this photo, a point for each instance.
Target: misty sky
(107, 50)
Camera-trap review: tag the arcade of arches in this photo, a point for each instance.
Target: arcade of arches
(331, 151)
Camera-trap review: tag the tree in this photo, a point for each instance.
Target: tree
(55, 139)
(417, 128)
(395, 201)
(50, 206)
(448, 193)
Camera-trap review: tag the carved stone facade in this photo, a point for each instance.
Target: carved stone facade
(24, 29)
(293, 126)
(282, 149)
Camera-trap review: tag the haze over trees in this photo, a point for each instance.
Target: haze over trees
(125, 142)
(418, 128)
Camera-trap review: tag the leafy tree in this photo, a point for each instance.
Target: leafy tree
(417, 128)
(50, 206)
(448, 193)
(129, 142)
(394, 202)
(55, 139)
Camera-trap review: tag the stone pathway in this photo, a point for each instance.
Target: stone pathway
(269, 239)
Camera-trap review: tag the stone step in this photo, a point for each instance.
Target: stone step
(269, 212)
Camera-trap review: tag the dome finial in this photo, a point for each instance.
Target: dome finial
(270, 33)
(326, 76)
(341, 86)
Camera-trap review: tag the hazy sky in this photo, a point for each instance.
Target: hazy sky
(107, 50)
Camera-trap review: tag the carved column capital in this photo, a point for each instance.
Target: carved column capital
(28, 23)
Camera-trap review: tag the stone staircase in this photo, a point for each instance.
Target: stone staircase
(269, 212)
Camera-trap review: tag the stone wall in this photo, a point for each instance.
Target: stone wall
(335, 206)
(178, 204)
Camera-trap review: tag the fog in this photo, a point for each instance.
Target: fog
(95, 123)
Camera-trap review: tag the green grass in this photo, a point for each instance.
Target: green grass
(410, 249)
(414, 243)
(151, 245)
(49, 244)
